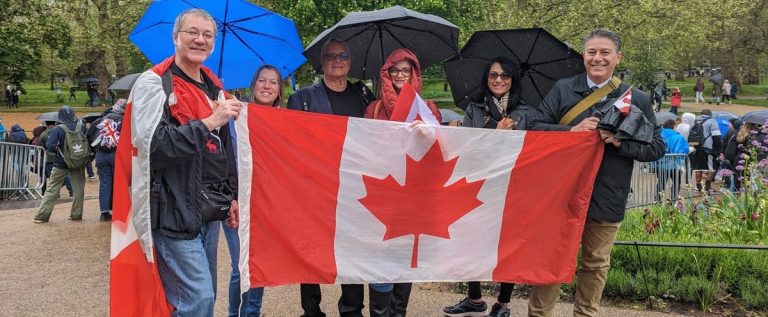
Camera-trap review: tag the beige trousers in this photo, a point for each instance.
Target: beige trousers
(596, 244)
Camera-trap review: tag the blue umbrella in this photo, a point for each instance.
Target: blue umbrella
(248, 36)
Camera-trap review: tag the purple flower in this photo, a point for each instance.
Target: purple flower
(753, 216)
(739, 168)
(726, 172)
(755, 143)
(680, 206)
(752, 131)
(741, 162)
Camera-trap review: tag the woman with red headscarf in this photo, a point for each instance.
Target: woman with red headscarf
(402, 66)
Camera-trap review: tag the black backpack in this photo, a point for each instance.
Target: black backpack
(696, 135)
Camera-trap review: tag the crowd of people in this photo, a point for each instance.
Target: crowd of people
(192, 152)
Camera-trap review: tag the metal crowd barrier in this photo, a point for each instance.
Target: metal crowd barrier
(665, 179)
(22, 171)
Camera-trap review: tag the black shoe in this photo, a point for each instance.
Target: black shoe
(499, 310)
(105, 216)
(73, 219)
(466, 308)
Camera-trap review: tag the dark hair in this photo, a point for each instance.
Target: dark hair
(279, 100)
(603, 33)
(669, 124)
(510, 68)
(706, 112)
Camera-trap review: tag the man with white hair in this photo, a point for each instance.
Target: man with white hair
(184, 165)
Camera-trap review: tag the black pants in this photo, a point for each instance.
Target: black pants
(505, 293)
(350, 303)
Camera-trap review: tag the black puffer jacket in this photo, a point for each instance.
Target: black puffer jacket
(611, 190)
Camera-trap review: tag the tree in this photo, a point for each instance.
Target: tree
(27, 28)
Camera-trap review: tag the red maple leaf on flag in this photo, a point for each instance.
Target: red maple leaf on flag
(424, 204)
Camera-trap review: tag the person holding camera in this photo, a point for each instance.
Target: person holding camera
(562, 109)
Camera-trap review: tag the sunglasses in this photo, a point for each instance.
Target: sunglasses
(504, 76)
(343, 56)
(394, 71)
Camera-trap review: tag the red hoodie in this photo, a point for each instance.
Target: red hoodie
(382, 108)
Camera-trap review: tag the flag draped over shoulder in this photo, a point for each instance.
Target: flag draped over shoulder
(347, 200)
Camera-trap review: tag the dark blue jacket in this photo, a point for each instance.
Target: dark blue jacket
(314, 99)
(56, 138)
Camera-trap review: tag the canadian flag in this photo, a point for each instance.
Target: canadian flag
(624, 102)
(135, 288)
(411, 107)
(347, 200)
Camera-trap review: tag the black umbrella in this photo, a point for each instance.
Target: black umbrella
(663, 116)
(373, 35)
(91, 117)
(543, 59)
(91, 80)
(756, 117)
(125, 82)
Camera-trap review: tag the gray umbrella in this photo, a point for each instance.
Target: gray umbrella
(662, 116)
(373, 35)
(125, 82)
(756, 117)
(48, 116)
(716, 78)
(450, 115)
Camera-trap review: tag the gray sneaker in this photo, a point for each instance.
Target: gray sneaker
(466, 308)
(500, 310)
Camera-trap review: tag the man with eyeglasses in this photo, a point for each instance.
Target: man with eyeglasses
(602, 52)
(334, 94)
(182, 148)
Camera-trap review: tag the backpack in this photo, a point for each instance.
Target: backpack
(75, 151)
(696, 135)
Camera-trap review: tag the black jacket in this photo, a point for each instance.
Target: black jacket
(478, 115)
(611, 190)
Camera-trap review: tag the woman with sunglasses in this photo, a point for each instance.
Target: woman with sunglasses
(499, 107)
(402, 66)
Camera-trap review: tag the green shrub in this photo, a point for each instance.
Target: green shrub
(754, 292)
(619, 283)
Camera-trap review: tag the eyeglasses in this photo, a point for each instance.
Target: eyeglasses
(343, 56)
(195, 33)
(394, 71)
(504, 76)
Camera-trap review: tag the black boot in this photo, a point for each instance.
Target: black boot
(379, 303)
(400, 295)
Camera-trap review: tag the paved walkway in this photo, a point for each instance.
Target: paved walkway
(61, 268)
